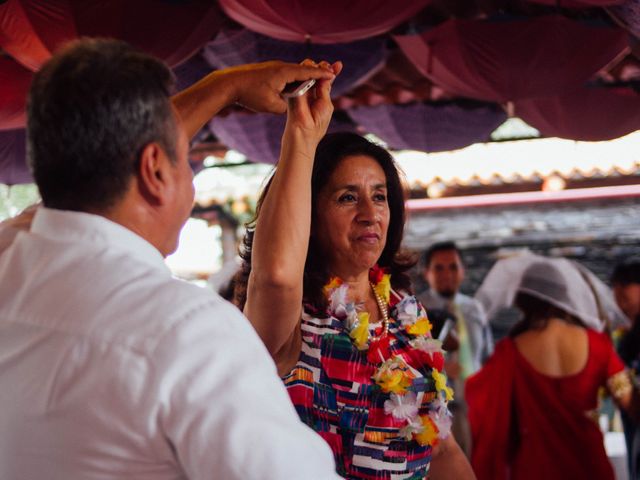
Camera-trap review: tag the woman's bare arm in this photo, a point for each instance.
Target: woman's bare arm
(280, 243)
(449, 462)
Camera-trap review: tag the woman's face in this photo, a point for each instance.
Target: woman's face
(352, 216)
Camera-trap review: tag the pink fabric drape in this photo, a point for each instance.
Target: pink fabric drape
(510, 59)
(326, 21)
(590, 114)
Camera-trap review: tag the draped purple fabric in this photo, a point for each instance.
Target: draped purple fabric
(627, 14)
(257, 136)
(326, 21)
(430, 127)
(510, 59)
(13, 165)
(14, 85)
(361, 59)
(189, 72)
(590, 114)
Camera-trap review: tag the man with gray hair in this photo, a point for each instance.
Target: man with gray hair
(109, 367)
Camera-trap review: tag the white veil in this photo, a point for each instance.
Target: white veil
(559, 281)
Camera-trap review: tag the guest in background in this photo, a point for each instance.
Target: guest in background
(533, 407)
(625, 280)
(470, 341)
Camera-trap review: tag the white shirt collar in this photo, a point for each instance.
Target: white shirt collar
(68, 226)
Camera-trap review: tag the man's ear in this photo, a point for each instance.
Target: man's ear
(153, 173)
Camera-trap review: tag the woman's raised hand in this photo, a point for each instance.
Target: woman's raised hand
(309, 115)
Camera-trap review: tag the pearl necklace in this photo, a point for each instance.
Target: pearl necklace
(382, 306)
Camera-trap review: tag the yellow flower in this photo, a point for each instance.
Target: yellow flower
(360, 334)
(441, 384)
(429, 433)
(383, 288)
(421, 327)
(394, 382)
(394, 376)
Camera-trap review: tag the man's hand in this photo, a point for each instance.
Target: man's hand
(258, 86)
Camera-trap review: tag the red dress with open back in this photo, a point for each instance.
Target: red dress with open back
(527, 425)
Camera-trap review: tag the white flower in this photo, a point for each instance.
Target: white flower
(351, 321)
(338, 301)
(407, 311)
(402, 407)
(411, 428)
(441, 416)
(427, 345)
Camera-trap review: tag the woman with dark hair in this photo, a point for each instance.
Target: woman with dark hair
(533, 407)
(325, 284)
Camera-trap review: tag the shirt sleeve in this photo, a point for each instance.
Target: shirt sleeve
(223, 408)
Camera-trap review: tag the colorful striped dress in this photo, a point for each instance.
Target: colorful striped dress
(377, 429)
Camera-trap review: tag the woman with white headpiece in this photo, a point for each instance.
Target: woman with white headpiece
(533, 406)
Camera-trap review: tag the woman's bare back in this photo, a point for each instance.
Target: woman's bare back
(559, 350)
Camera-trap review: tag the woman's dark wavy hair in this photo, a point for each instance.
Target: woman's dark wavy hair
(537, 314)
(332, 149)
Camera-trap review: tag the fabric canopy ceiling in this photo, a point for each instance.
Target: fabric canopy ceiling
(411, 66)
(430, 127)
(238, 46)
(325, 21)
(258, 135)
(590, 114)
(31, 30)
(507, 59)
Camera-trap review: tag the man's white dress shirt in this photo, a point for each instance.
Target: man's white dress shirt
(110, 368)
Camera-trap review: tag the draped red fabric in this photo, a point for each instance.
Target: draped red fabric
(590, 114)
(168, 30)
(32, 29)
(510, 59)
(326, 21)
(14, 81)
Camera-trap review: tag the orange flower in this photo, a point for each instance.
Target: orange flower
(429, 433)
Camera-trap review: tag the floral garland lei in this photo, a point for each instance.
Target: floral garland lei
(393, 375)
